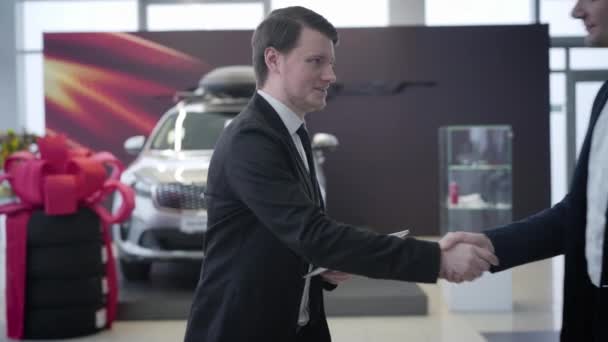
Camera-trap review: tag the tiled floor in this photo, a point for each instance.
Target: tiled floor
(534, 309)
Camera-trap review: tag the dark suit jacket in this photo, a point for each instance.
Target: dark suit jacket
(265, 228)
(561, 230)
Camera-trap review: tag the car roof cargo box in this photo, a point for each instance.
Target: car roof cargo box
(237, 81)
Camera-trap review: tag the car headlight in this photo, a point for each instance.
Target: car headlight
(143, 188)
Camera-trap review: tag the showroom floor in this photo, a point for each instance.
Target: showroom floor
(533, 312)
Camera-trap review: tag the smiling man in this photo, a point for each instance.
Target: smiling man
(267, 223)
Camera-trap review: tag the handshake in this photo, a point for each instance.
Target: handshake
(465, 256)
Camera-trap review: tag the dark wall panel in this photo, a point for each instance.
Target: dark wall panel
(385, 173)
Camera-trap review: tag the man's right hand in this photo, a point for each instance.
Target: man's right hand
(465, 256)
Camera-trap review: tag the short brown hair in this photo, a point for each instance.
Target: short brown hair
(281, 30)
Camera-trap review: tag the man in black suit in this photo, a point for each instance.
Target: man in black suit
(267, 223)
(576, 226)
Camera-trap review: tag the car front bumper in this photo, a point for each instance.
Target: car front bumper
(158, 234)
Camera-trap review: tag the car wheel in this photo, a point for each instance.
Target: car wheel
(135, 270)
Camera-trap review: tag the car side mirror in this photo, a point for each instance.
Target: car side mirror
(324, 142)
(133, 145)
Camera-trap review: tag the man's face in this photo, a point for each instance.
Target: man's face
(306, 72)
(594, 14)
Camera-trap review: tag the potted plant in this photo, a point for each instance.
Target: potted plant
(11, 142)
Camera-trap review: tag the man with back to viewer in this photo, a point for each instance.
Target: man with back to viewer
(576, 226)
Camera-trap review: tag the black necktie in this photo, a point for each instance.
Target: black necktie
(311, 164)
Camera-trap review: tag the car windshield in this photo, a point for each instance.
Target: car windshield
(190, 131)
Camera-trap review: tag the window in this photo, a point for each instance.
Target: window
(478, 12)
(556, 13)
(33, 81)
(588, 58)
(75, 16)
(233, 16)
(557, 58)
(191, 131)
(559, 177)
(345, 13)
(59, 16)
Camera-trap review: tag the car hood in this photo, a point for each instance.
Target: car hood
(190, 168)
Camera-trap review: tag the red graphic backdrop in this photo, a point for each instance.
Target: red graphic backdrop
(101, 88)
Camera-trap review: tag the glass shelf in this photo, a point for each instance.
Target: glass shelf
(475, 177)
(479, 209)
(479, 167)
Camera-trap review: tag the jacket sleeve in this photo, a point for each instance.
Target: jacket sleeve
(535, 238)
(260, 173)
(544, 235)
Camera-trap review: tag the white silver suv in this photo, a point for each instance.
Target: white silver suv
(169, 174)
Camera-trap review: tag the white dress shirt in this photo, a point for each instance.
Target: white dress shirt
(597, 198)
(293, 122)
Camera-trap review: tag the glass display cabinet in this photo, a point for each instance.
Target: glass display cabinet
(475, 185)
(475, 177)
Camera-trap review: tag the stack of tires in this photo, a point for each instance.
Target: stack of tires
(66, 287)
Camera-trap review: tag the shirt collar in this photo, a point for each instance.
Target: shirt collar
(290, 119)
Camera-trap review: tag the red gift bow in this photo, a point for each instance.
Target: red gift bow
(60, 181)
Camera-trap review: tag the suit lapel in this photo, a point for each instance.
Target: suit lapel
(273, 119)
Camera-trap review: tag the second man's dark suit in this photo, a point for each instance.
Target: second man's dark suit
(266, 226)
(561, 230)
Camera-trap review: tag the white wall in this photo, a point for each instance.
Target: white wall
(9, 117)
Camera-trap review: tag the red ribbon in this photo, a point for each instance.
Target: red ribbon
(60, 181)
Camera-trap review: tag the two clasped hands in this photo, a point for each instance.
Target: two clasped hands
(464, 257)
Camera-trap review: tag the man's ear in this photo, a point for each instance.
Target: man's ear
(272, 59)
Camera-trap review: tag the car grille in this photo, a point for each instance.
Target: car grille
(180, 196)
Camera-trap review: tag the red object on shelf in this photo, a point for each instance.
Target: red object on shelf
(454, 193)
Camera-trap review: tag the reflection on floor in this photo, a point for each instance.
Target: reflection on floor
(534, 311)
(372, 297)
(167, 295)
(525, 336)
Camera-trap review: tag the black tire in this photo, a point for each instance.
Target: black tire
(63, 323)
(61, 293)
(45, 230)
(135, 270)
(66, 262)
